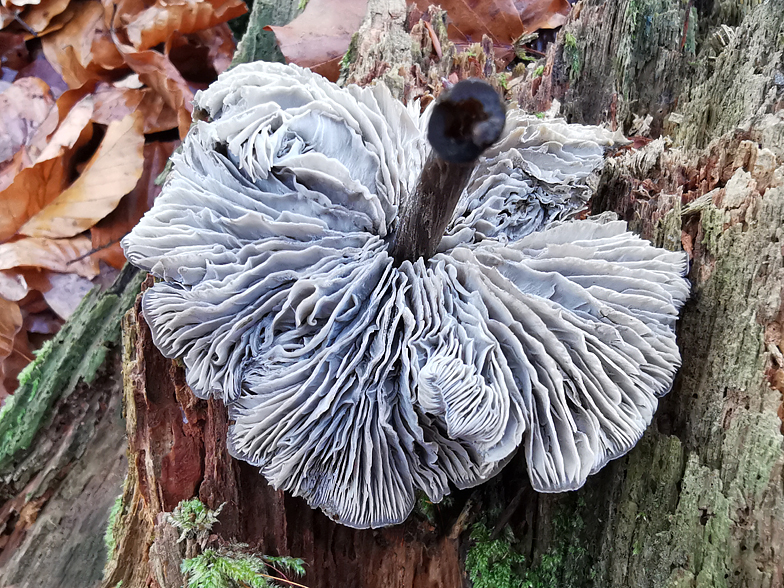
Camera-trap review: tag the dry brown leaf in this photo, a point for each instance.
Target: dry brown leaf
(66, 292)
(319, 37)
(110, 174)
(10, 325)
(157, 23)
(201, 56)
(503, 21)
(113, 102)
(13, 51)
(70, 131)
(82, 50)
(6, 17)
(57, 117)
(59, 255)
(41, 68)
(20, 356)
(23, 107)
(32, 189)
(38, 17)
(9, 169)
(107, 233)
(157, 72)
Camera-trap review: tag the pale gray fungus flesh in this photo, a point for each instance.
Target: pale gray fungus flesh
(355, 383)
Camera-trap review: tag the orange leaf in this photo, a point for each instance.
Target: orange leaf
(502, 20)
(10, 325)
(157, 23)
(38, 17)
(113, 102)
(157, 71)
(111, 173)
(32, 189)
(133, 205)
(82, 50)
(70, 131)
(60, 255)
(319, 37)
(24, 106)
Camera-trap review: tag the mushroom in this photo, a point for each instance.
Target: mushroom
(355, 377)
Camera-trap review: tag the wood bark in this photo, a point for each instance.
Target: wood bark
(700, 500)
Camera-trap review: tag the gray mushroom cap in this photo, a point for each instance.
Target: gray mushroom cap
(354, 383)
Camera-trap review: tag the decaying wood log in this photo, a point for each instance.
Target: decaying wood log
(62, 449)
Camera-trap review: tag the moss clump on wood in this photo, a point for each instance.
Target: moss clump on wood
(109, 539)
(493, 563)
(75, 355)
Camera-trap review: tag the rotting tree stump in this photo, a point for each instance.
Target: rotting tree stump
(700, 500)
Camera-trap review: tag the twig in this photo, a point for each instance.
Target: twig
(282, 580)
(25, 25)
(93, 251)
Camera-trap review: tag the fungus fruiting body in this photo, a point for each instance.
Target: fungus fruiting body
(354, 379)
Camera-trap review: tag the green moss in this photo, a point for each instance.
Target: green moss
(230, 567)
(430, 510)
(111, 526)
(503, 80)
(31, 374)
(572, 56)
(493, 563)
(538, 71)
(565, 564)
(712, 221)
(350, 54)
(193, 518)
(73, 356)
(539, 115)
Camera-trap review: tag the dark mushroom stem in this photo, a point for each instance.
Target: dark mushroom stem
(465, 121)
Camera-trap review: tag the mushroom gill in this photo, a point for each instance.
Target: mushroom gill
(354, 380)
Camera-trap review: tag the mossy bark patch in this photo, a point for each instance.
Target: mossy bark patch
(73, 356)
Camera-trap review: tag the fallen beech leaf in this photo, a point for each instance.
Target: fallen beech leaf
(108, 232)
(319, 37)
(113, 102)
(156, 71)
(13, 286)
(20, 356)
(110, 174)
(10, 325)
(503, 21)
(201, 56)
(38, 17)
(23, 107)
(221, 44)
(10, 168)
(41, 68)
(158, 22)
(82, 49)
(66, 293)
(59, 255)
(6, 17)
(13, 51)
(32, 189)
(57, 116)
(69, 131)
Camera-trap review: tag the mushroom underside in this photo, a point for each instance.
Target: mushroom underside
(355, 382)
